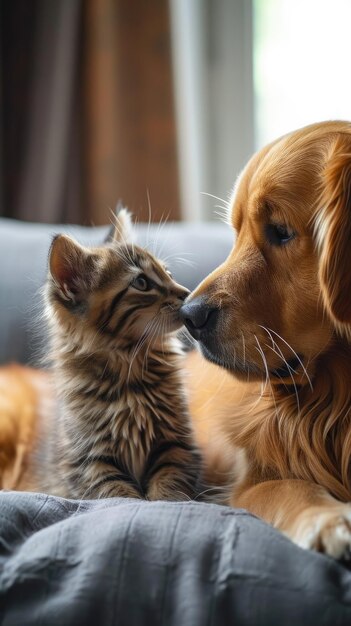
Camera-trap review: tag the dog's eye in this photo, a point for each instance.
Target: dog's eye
(279, 234)
(141, 283)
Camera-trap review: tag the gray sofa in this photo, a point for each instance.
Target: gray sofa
(128, 562)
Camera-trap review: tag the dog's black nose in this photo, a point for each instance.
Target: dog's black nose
(198, 316)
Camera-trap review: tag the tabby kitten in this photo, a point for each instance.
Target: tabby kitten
(123, 427)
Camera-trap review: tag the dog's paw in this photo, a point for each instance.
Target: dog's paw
(326, 530)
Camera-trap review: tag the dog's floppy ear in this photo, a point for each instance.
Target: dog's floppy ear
(333, 225)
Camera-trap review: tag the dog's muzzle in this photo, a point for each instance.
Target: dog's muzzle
(199, 317)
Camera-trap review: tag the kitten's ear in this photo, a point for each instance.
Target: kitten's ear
(122, 227)
(71, 267)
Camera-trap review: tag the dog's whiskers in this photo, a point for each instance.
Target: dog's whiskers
(263, 387)
(264, 360)
(280, 354)
(269, 331)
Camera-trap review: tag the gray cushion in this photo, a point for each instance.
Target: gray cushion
(191, 251)
(130, 563)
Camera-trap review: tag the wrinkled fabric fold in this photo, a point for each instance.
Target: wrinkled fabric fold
(121, 561)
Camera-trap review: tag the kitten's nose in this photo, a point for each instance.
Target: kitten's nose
(181, 293)
(199, 317)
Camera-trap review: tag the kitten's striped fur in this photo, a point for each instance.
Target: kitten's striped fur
(123, 427)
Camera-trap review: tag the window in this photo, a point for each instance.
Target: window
(302, 53)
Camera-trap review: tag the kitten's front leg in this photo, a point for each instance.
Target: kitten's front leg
(173, 474)
(115, 489)
(170, 486)
(111, 485)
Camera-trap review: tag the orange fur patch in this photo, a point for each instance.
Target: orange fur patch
(22, 390)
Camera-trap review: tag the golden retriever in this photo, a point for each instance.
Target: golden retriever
(276, 319)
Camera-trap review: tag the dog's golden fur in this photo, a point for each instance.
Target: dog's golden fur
(277, 303)
(25, 398)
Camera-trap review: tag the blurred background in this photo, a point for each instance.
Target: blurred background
(156, 102)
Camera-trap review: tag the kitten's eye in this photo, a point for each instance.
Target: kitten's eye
(141, 283)
(279, 234)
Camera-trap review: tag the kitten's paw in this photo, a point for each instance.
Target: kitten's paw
(169, 490)
(326, 530)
